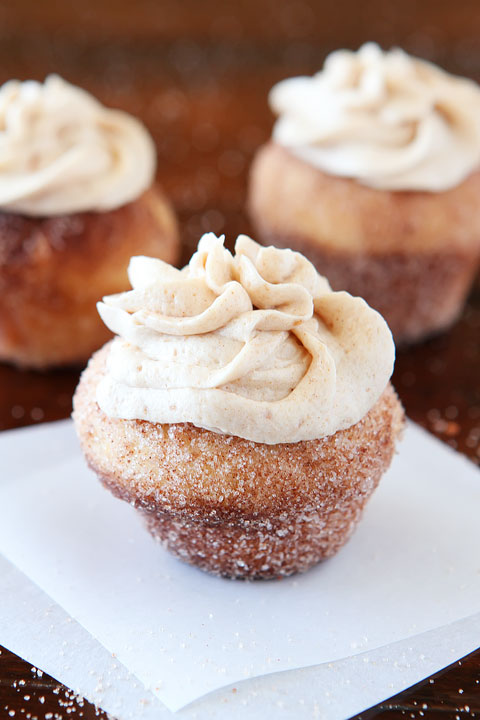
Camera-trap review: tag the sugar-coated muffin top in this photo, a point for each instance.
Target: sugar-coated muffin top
(61, 151)
(253, 344)
(386, 119)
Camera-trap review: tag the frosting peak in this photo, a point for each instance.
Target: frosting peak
(61, 151)
(253, 344)
(387, 119)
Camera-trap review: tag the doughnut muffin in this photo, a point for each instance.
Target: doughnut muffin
(77, 199)
(243, 408)
(373, 172)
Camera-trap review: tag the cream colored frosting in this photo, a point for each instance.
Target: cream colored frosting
(61, 151)
(254, 345)
(387, 119)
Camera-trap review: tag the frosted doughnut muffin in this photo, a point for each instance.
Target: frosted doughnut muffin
(243, 407)
(373, 172)
(77, 199)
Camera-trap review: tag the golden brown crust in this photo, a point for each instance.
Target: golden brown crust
(232, 506)
(53, 271)
(296, 199)
(412, 256)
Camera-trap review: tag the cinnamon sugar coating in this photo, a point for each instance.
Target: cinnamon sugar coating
(412, 256)
(53, 270)
(232, 506)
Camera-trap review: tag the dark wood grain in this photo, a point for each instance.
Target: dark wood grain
(197, 73)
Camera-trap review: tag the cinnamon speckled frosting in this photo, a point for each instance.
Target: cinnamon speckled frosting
(61, 151)
(389, 120)
(253, 344)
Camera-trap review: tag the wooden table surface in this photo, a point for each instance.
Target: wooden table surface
(197, 73)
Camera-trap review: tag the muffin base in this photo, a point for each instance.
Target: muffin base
(53, 271)
(231, 506)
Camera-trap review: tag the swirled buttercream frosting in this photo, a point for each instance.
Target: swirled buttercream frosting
(386, 119)
(253, 344)
(61, 151)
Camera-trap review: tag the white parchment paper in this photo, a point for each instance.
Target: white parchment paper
(333, 691)
(413, 565)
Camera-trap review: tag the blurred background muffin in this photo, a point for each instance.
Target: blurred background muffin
(373, 172)
(77, 200)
